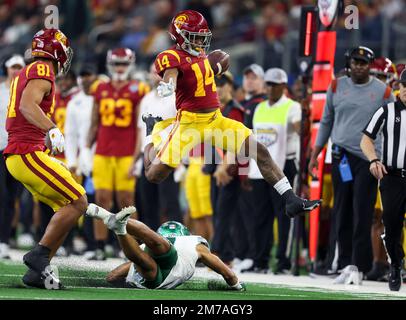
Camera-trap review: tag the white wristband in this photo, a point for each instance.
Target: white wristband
(147, 140)
(282, 186)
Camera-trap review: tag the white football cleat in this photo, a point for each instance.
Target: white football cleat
(118, 222)
(97, 212)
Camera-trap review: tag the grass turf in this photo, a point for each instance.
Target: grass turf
(90, 285)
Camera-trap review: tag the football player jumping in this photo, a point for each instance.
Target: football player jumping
(113, 129)
(165, 260)
(186, 71)
(31, 103)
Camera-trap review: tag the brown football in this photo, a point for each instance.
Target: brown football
(219, 61)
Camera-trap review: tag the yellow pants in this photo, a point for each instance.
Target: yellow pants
(197, 188)
(175, 137)
(111, 173)
(47, 180)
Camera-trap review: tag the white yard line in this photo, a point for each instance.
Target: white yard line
(370, 289)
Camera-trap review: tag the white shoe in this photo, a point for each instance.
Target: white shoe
(94, 211)
(118, 222)
(245, 265)
(236, 262)
(61, 252)
(25, 240)
(4, 251)
(349, 275)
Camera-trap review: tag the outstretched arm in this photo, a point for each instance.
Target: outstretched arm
(215, 263)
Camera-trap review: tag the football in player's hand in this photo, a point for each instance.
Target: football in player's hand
(219, 61)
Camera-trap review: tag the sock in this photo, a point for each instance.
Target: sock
(282, 186)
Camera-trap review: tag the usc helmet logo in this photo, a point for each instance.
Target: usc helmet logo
(61, 38)
(180, 20)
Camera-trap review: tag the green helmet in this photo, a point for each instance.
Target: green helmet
(172, 229)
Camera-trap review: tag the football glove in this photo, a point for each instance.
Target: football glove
(166, 89)
(85, 161)
(57, 140)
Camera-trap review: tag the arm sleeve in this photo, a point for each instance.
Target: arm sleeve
(327, 120)
(374, 125)
(295, 113)
(71, 138)
(167, 59)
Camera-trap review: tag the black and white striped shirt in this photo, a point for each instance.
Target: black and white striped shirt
(390, 120)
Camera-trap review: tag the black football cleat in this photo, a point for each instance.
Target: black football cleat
(33, 279)
(150, 122)
(395, 278)
(296, 206)
(38, 260)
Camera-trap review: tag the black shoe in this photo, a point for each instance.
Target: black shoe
(378, 272)
(33, 279)
(395, 279)
(150, 122)
(37, 259)
(297, 206)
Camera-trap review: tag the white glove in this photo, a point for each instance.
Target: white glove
(179, 173)
(57, 140)
(165, 89)
(138, 168)
(85, 161)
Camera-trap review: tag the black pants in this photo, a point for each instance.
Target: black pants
(159, 199)
(393, 194)
(268, 205)
(354, 203)
(243, 228)
(225, 213)
(9, 189)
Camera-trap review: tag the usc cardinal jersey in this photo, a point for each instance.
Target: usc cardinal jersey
(117, 111)
(195, 88)
(24, 137)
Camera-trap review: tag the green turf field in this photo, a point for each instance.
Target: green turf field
(90, 285)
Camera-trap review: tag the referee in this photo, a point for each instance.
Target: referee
(390, 120)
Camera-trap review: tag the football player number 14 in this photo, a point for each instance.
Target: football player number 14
(203, 77)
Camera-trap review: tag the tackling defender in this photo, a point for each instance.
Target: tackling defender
(165, 260)
(186, 70)
(31, 103)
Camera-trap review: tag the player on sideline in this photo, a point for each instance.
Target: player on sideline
(186, 70)
(166, 260)
(113, 130)
(31, 103)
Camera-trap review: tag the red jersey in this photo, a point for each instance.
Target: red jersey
(195, 88)
(117, 113)
(24, 137)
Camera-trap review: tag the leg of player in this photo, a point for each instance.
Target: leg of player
(104, 199)
(119, 223)
(155, 171)
(38, 259)
(274, 175)
(117, 276)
